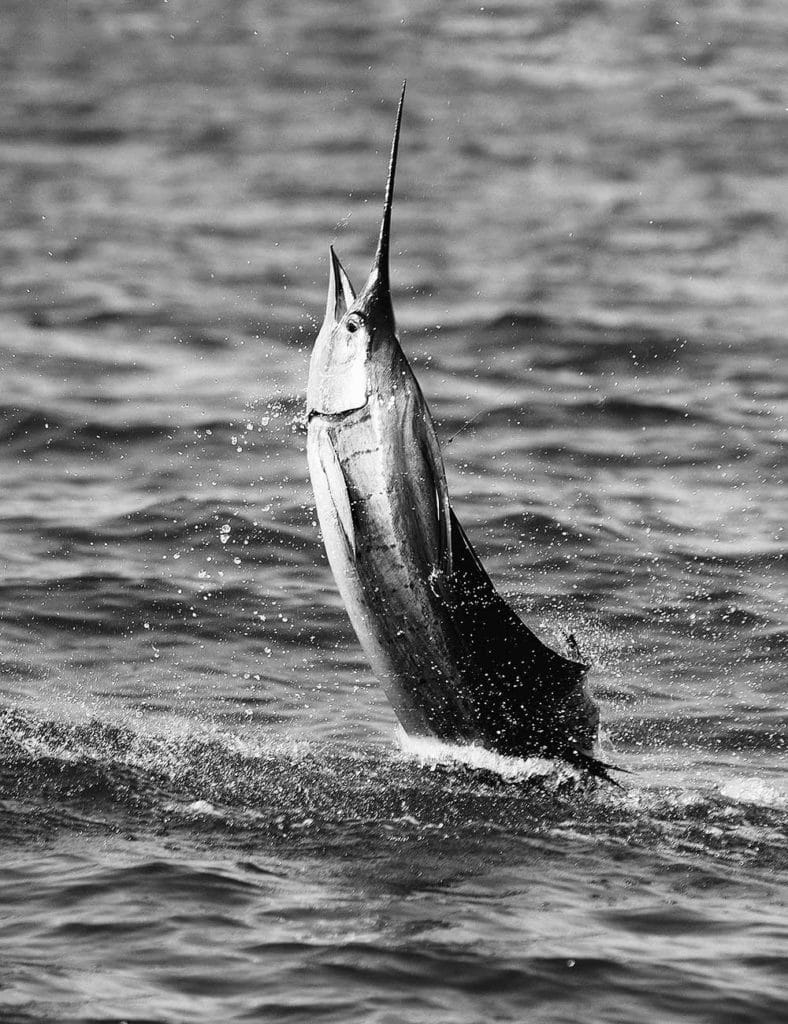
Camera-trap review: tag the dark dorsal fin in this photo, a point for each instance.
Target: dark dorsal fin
(488, 610)
(529, 699)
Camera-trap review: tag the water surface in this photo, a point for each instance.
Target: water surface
(208, 813)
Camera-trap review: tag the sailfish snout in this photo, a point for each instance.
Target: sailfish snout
(375, 298)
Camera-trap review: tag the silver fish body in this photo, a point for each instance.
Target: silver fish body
(454, 659)
(377, 506)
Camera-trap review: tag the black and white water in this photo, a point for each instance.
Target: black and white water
(208, 814)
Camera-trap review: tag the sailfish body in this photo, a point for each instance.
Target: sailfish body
(453, 658)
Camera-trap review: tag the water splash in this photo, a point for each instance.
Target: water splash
(430, 752)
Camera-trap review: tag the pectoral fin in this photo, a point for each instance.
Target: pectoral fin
(335, 481)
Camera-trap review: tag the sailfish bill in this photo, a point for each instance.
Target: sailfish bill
(454, 659)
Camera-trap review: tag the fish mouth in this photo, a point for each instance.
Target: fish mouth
(335, 417)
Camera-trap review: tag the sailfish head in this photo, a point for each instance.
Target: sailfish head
(356, 331)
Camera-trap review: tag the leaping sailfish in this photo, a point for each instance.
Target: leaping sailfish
(453, 658)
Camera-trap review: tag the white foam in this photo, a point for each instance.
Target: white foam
(754, 791)
(203, 807)
(429, 751)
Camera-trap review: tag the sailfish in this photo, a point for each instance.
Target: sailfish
(454, 659)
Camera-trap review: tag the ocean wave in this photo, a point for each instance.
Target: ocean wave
(35, 431)
(712, 732)
(193, 522)
(592, 343)
(31, 432)
(303, 793)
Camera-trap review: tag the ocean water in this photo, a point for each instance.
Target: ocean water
(207, 810)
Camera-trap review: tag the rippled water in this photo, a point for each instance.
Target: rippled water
(207, 810)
